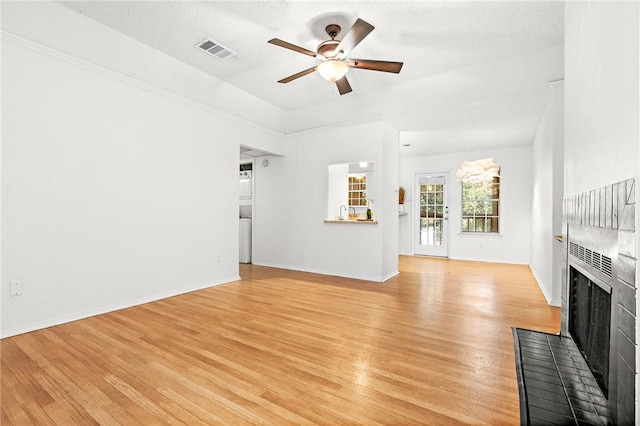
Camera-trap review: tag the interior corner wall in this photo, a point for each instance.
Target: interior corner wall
(541, 262)
(512, 245)
(290, 203)
(602, 104)
(546, 201)
(113, 193)
(389, 207)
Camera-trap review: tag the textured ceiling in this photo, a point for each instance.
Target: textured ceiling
(467, 65)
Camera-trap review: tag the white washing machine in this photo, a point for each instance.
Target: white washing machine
(245, 240)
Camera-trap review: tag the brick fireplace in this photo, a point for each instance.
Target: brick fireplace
(599, 289)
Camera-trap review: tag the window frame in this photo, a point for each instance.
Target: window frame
(492, 199)
(359, 179)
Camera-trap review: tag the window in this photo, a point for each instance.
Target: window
(480, 206)
(357, 190)
(432, 213)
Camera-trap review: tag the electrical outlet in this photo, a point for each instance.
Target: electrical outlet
(15, 288)
(219, 259)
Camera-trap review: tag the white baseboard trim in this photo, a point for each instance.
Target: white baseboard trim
(389, 276)
(548, 297)
(471, 259)
(321, 272)
(111, 308)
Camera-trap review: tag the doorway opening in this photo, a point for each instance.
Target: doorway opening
(431, 214)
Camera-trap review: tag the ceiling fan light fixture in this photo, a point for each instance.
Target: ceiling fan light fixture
(332, 69)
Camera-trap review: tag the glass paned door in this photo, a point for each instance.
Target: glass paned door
(431, 215)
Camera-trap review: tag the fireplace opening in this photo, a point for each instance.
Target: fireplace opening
(589, 324)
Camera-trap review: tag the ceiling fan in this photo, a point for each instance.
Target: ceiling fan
(333, 54)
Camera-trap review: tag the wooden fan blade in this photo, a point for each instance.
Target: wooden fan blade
(358, 31)
(367, 64)
(298, 75)
(290, 46)
(343, 85)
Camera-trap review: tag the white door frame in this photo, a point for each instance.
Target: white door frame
(415, 217)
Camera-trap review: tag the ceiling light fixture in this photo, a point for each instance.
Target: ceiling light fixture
(478, 171)
(333, 56)
(332, 69)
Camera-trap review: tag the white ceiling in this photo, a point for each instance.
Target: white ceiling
(475, 73)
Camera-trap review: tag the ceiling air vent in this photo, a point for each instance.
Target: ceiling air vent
(215, 49)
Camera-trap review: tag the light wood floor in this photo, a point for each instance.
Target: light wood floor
(431, 346)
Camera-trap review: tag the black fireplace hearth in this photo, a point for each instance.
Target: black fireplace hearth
(555, 384)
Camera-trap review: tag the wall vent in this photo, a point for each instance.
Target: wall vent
(215, 49)
(598, 261)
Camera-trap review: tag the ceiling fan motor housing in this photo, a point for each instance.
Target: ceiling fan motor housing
(328, 48)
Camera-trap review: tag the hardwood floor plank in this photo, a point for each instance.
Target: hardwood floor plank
(432, 345)
(12, 412)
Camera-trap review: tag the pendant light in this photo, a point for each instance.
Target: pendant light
(478, 171)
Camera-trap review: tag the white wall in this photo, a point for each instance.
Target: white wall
(602, 112)
(601, 140)
(57, 27)
(388, 209)
(291, 197)
(338, 191)
(547, 190)
(512, 245)
(115, 192)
